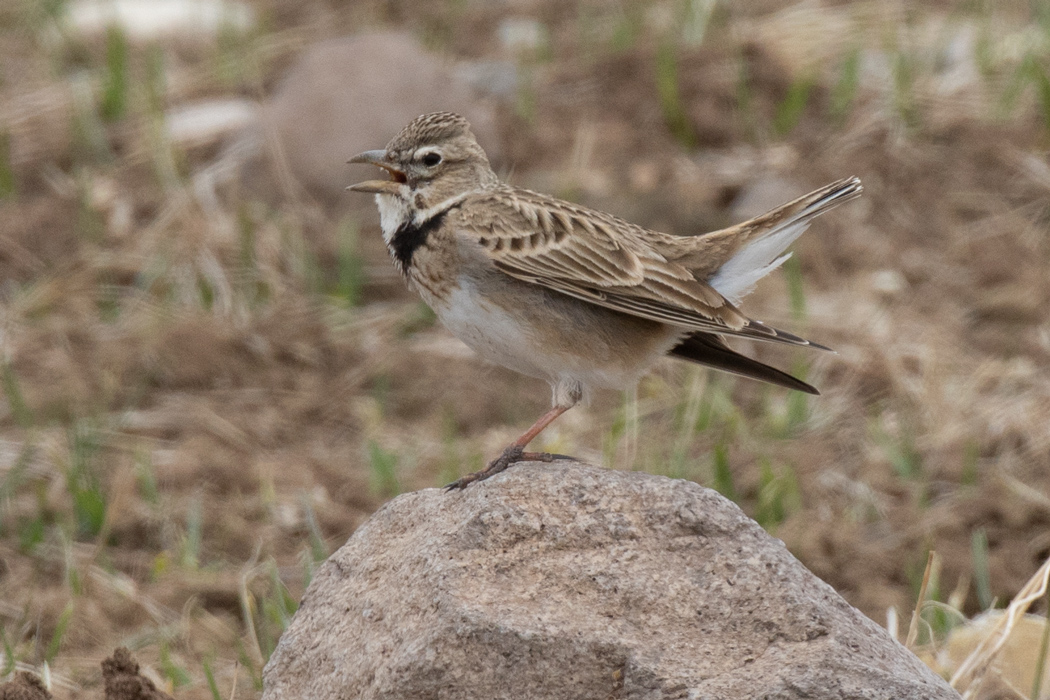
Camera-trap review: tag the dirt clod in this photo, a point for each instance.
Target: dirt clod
(123, 680)
(25, 686)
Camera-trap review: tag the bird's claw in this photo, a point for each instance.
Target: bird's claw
(511, 455)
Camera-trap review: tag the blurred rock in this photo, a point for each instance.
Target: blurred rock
(521, 34)
(570, 581)
(876, 70)
(495, 78)
(344, 96)
(644, 176)
(888, 282)
(740, 165)
(201, 123)
(957, 64)
(148, 20)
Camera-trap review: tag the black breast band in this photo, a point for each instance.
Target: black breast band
(410, 236)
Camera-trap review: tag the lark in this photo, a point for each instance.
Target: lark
(560, 292)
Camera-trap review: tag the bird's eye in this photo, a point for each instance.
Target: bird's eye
(431, 159)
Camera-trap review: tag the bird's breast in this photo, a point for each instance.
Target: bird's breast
(409, 237)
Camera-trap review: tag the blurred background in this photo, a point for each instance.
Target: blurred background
(211, 373)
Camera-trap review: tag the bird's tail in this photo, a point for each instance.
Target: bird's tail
(711, 351)
(745, 253)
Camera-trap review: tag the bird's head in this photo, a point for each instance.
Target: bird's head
(433, 160)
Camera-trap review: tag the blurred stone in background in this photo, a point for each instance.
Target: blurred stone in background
(348, 95)
(149, 20)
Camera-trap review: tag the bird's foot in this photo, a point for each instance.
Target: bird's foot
(511, 455)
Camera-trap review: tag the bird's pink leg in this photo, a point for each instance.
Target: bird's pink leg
(515, 452)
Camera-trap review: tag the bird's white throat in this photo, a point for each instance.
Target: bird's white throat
(396, 212)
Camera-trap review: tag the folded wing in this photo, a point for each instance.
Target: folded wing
(606, 261)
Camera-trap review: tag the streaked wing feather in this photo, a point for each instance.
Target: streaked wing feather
(592, 255)
(661, 312)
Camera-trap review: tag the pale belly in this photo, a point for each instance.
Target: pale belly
(541, 333)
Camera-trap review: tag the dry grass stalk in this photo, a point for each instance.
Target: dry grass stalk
(913, 627)
(1044, 645)
(971, 672)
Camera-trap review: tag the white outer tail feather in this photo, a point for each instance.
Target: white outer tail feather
(738, 276)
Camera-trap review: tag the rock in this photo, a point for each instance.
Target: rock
(152, 20)
(495, 78)
(521, 34)
(24, 686)
(569, 581)
(201, 123)
(348, 95)
(888, 282)
(958, 63)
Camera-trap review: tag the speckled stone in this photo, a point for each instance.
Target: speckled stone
(569, 581)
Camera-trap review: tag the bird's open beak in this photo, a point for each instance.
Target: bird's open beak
(378, 158)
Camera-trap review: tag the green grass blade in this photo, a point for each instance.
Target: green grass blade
(981, 572)
(383, 465)
(9, 654)
(209, 675)
(723, 482)
(60, 630)
(670, 96)
(7, 171)
(351, 266)
(116, 82)
(791, 108)
(796, 287)
(194, 526)
(778, 495)
(844, 92)
(147, 479)
(1042, 86)
(318, 548)
(82, 480)
(15, 399)
(15, 476)
(176, 674)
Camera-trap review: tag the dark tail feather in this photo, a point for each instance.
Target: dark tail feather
(711, 350)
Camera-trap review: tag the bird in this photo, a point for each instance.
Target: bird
(568, 294)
